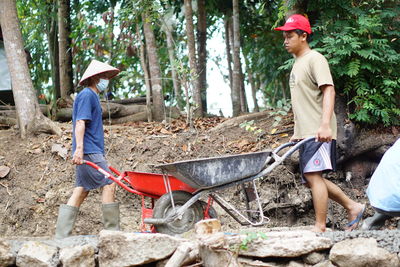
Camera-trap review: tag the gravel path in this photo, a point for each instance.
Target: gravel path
(387, 239)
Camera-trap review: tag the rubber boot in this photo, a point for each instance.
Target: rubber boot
(111, 216)
(66, 220)
(375, 222)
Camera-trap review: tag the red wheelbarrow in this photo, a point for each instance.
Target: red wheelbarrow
(178, 206)
(154, 186)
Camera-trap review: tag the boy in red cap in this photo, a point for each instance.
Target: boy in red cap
(313, 97)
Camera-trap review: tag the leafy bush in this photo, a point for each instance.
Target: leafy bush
(362, 47)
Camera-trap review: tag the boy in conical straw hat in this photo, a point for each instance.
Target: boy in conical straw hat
(88, 144)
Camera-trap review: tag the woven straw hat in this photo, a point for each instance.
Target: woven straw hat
(96, 67)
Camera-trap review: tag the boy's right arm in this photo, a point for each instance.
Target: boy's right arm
(79, 134)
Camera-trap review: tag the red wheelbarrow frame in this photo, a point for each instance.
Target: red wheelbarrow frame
(145, 184)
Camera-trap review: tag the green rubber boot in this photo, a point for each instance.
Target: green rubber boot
(66, 220)
(111, 216)
(375, 222)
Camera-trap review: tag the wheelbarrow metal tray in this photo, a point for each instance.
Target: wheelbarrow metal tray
(215, 171)
(153, 183)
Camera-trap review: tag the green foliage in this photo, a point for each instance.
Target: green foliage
(362, 48)
(282, 108)
(35, 18)
(250, 127)
(359, 38)
(250, 237)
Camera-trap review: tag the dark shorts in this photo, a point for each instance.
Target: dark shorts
(89, 178)
(317, 156)
(388, 213)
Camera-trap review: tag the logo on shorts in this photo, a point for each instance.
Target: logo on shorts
(317, 162)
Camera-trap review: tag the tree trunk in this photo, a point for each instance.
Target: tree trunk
(202, 52)
(175, 80)
(227, 26)
(155, 72)
(243, 99)
(30, 118)
(52, 33)
(236, 107)
(142, 55)
(65, 55)
(252, 84)
(198, 110)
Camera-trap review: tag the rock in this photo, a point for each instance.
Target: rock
(362, 252)
(282, 244)
(213, 249)
(326, 263)
(79, 256)
(4, 170)
(245, 262)
(207, 226)
(38, 254)
(60, 150)
(6, 256)
(314, 258)
(294, 264)
(129, 249)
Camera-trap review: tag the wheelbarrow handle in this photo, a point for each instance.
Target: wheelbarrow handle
(118, 180)
(295, 145)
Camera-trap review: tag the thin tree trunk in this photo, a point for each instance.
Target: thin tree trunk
(252, 83)
(236, 107)
(283, 88)
(227, 26)
(52, 38)
(155, 71)
(29, 116)
(175, 80)
(65, 55)
(142, 54)
(202, 51)
(243, 99)
(198, 111)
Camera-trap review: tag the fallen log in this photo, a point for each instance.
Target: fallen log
(238, 120)
(111, 109)
(135, 100)
(141, 116)
(8, 121)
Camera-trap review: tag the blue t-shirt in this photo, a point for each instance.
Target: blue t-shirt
(87, 107)
(384, 188)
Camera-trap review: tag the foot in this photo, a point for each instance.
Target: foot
(354, 216)
(319, 228)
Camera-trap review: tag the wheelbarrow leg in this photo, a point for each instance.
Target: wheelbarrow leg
(247, 198)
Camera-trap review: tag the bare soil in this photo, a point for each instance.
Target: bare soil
(39, 180)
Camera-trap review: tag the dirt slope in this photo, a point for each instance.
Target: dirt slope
(40, 180)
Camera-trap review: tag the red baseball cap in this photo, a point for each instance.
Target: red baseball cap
(296, 22)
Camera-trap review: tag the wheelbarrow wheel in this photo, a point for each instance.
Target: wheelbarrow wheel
(163, 207)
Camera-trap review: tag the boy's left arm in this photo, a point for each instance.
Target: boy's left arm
(324, 133)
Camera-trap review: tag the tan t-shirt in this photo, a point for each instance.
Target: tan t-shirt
(309, 72)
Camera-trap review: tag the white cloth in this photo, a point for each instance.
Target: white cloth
(5, 79)
(384, 188)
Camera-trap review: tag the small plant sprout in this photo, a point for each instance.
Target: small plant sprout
(250, 127)
(250, 237)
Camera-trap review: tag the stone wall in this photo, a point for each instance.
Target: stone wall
(261, 247)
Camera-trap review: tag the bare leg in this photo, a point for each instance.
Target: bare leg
(319, 192)
(108, 194)
(352, 207)
(78, 196)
